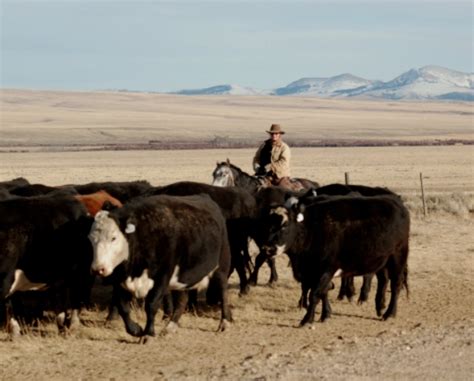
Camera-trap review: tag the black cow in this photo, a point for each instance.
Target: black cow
(352, 235)
(161, 243)
(44, 245)
(237, 206)
(122, 190)
(10, 184)
(7, 186)
(31, 190)
(276, 195)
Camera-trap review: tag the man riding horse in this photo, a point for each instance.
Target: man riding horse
(272, 160)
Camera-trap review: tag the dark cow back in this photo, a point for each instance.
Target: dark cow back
(123, 191)
(14, 183)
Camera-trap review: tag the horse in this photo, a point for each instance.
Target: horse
(226, 175)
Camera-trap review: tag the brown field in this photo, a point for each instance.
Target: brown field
(432, 336)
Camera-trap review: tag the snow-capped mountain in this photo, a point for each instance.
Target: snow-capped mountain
(428, 82)
(223, 90)
(323, 86)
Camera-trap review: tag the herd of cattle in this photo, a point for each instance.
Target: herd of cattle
(163, 244)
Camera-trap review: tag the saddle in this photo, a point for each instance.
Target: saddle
(285, 182)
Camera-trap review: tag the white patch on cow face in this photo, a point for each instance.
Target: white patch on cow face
(139, 287)
(338, 273)
(109, 244)
(300, 217)
(282, 212)
(176, 285)
(291, 202)
(22, 283)
(280, 249)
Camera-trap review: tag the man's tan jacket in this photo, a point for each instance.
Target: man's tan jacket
(280, 159)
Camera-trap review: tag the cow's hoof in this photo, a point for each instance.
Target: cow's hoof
(13, 329)
(224, 324)
(387, 316)
(170, 328)
(135, 330)
(145, 339)
(74, 321)
(244, 291)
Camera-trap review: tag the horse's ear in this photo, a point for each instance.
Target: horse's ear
(228, 161)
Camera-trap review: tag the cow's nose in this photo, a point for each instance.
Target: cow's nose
(269, 250)
(99, 270)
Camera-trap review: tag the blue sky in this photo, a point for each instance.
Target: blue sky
(173, 45)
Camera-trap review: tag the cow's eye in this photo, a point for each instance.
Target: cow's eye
(114, 238)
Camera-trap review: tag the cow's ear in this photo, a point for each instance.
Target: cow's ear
(130, 228)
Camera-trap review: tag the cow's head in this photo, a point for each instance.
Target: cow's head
(109, 243)
(280, 226)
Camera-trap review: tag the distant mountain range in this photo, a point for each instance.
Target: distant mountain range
(428, 82)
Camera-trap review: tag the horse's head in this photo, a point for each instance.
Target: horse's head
(223, 175)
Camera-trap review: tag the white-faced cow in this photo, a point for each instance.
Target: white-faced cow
(161, 243)
(346, 235)
(238, 208)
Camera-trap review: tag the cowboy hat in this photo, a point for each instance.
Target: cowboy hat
(275, 129)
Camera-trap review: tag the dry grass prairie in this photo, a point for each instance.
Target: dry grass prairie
(84, 118)
(432, 336)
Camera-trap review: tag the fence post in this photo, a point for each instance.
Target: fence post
(346, 176)
(423, 194)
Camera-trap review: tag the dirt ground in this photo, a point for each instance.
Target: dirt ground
(430, 339)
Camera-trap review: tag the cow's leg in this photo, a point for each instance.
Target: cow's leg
(347, 288)
(326, 309)
(381, 288)
(168, 305)
(226, 315)
(179, 307)
(273, 271)
(60, 309)
(153, 300)
(259, 260)
(397, 271)
(365, 289)
(247, 258)
(313, 301)
(316, 294)
(122, 299)
(237, 260)
(303, 302)
(112, 314)
(12, 325)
